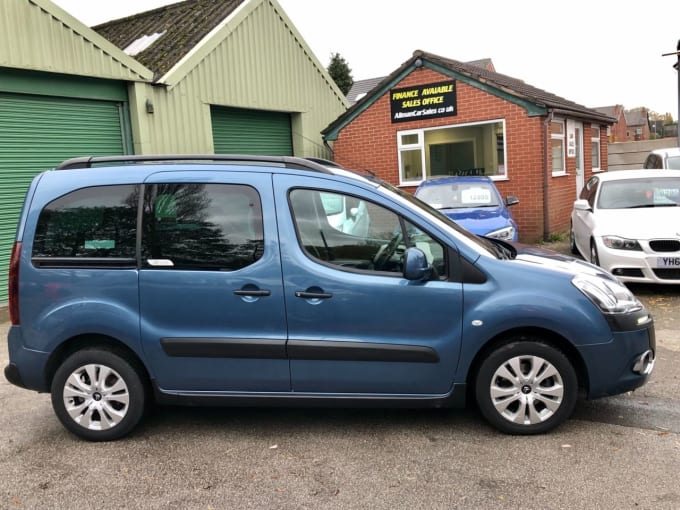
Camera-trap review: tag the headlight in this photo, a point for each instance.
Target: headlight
(620, 243)
(610, 296)
(503, 233)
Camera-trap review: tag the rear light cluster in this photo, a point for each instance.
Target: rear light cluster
(14, 284)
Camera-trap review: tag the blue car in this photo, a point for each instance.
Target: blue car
(474, 203)
(253, 280)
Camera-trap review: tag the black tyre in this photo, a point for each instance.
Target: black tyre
(526, 387)
(98, 395)
(594, 257)
(572, 241)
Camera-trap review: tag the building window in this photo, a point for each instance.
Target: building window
(595, 141)
(557, 147)
(469, 149)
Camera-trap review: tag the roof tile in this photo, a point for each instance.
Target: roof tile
(182, 25)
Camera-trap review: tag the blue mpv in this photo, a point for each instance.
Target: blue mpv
(247, 280)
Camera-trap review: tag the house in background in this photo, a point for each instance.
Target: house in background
(637, 124)
(435, 116)
(617, 131)
(631, 125)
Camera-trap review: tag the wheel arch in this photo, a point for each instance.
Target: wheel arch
(90, 341)
(546, 336)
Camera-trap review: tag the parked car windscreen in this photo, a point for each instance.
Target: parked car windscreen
(481, 243)
(459, 195)
(673, 162)
(634, 193)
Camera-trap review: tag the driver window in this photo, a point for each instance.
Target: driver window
(348, 232)
(355, 234)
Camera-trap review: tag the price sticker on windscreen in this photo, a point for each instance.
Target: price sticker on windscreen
(476, 196)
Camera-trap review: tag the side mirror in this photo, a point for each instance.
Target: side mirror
(511, 200)
(416, 267)
(582, 205)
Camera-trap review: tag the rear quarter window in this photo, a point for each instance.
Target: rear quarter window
(95, 222)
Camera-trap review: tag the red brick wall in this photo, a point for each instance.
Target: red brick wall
(370, 142)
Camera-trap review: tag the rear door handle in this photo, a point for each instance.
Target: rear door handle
(313, 295)
(253, 293)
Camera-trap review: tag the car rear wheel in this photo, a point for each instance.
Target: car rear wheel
(98, 395)
(526, 387)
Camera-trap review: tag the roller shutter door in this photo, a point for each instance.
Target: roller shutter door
(37, 133)
(239, 131)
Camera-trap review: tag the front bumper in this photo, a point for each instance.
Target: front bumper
(623, 364)
(645, 266)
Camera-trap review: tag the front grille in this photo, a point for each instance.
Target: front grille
(667, 274)
(665, 245)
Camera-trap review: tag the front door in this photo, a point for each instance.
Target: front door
(580, 180)
(356, 326)
(211, 296)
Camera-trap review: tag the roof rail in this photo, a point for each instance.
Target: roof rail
(286, 161)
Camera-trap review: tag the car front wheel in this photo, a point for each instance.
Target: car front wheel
(594, 258)
(526, 387)
(98, 395)
(572, 241)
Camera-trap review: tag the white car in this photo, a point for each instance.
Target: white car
(663, 158)
(628, 222)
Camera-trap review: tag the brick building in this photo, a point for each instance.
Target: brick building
(435, 116)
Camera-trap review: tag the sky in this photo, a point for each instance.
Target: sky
(594, 52)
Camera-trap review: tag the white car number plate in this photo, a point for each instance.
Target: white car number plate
(673, 262)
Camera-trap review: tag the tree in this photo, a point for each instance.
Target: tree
(340, 72)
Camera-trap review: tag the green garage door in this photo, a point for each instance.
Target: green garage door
(238, 131)
(37, 133)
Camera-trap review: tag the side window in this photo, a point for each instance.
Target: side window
(201, 227)
(592, 191)
(355, 234)
(97, 222)
(586, 191)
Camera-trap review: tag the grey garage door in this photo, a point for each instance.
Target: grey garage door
(37, 133)
(240, 131)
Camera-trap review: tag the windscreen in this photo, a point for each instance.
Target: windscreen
(459, 195)
(635, 193)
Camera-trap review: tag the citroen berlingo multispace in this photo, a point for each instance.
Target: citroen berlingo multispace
(249, 280)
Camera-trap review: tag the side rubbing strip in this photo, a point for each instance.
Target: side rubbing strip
(360, 351)
(224, 348)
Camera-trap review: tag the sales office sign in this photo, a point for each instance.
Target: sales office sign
(423, 102)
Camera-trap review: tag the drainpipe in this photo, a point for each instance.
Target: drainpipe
(546, 176)
(330, 149)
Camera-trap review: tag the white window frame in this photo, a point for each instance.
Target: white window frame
(420, 145)
(595, 141)
(562, 137)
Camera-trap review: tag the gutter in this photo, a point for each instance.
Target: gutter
(547, 172)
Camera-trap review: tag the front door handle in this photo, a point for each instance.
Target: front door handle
(313, 295)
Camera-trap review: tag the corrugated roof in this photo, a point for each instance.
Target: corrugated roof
(182, 26)
(501, 82)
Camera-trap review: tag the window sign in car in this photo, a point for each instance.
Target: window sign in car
(476, 195)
